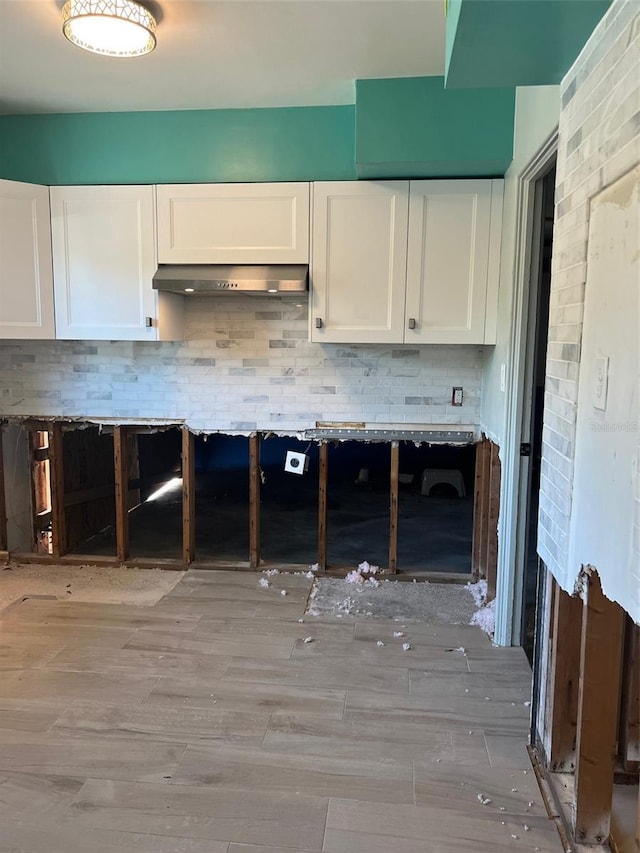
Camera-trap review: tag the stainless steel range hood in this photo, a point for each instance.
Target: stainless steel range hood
(283, 280)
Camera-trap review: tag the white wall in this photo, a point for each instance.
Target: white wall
(587, 499)
(17, 484)
(246, 364)
(537, 112)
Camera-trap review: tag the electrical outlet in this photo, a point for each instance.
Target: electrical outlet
(456, 395)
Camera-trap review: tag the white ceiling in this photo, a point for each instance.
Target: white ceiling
(212, 55)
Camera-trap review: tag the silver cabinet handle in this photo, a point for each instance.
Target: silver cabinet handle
(318, 322)
(412, 323)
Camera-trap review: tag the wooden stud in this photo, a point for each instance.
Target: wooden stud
(630, 704)
(188, 496)
(638, 824)
(480, 507)
(323, 476)
(564, 679)
(254, 500)
(492, 522)
(598, 702)
(56, 462)
(3, 503)
(121, 463)
(393, 507)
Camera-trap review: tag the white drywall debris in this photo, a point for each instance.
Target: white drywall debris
(398, 634)
(271, 572)
(379, 643)
(309, 575)
(354, 577)
(308, 640)
(527, 704)
(485, 618)
(301, 621)
(484, 800)
(264, 583)
(315, 567)
(478, 591)
(406, 647)
(367, 569)
(372, 582)
(283, 592)
(526, 828)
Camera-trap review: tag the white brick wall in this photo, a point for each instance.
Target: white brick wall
(246, 364)
(599, 140)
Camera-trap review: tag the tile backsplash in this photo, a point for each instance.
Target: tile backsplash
(245, 364)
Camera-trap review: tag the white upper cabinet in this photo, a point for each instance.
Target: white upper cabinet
(233, 223)
(26, 281)
(406, 262)
(104, 258)
(453, 261)
(359, 261)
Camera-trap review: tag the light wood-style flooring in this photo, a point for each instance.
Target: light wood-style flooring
(206, 724)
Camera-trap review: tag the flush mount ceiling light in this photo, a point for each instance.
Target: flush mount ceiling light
(110, 27)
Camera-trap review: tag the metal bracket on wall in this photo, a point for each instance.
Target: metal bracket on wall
(426, 435)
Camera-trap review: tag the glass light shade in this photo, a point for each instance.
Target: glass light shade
(110, 27)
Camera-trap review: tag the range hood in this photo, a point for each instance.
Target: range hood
(273, 279)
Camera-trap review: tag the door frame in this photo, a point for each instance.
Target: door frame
(513, 500)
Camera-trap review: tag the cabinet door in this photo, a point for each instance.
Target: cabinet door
(451, 249)
(26, 279)
(359, 261)
(233, 223)
(104, 259)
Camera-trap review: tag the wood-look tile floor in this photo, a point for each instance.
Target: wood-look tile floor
(206, 724)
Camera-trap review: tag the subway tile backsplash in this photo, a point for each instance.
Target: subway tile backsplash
(245, 364)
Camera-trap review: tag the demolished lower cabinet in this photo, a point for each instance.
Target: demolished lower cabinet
(413, 262)
(26, 279)
(233, 223)
(359, 261)
(453, 260)
(104, 258)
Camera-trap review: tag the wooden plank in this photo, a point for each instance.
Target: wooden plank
(598, 704)
(393, 507)
(484, 509)
(3, 502)
(254, 500)
(188, 496)
(630, 704)
(121, 467)
(638, 824)
(492, 522)
(56, 461)
(323, 476)
(564, 679)
(479, 502)
(83, 496)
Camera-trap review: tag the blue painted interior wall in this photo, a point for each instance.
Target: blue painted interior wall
(189, 146)
(414, 127)
(404, 128)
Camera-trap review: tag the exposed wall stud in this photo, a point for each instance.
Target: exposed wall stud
(564, 678)
(492, 522)
(121, 463)
(630, 704)
(56, 463)
(188, 496)
(393, 507)
(254, 500)
(598, 701)
(480, 509)
(3, 504)
(323, 476)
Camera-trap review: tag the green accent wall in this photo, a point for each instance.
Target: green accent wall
(414, 127)
(516, 42)
(285, 144)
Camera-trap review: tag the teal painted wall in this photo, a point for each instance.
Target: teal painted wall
(516, 43)
(287, 144)
(413, 127)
